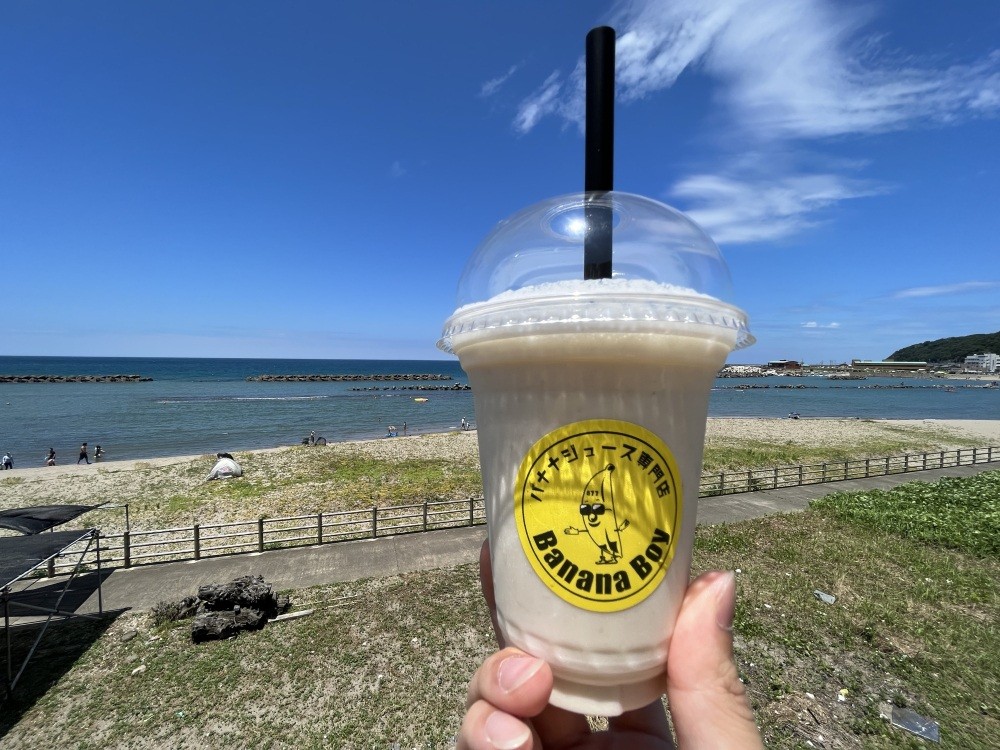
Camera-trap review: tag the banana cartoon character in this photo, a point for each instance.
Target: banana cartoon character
(601, 525)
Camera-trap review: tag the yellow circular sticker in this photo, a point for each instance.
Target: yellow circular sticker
(597, 506)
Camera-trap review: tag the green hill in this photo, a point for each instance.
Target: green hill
(954, 349)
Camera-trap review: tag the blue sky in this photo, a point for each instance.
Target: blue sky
(307, 179)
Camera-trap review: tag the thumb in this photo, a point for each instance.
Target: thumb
(707, 700)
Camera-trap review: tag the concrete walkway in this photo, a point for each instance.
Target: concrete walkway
(143, 586)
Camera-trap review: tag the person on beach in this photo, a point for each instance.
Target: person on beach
(8, 461)
(83, 455)
(508, 697)
(225, 468)
(50, 460)
(98, 453)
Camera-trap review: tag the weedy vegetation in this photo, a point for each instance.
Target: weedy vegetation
(384, 663)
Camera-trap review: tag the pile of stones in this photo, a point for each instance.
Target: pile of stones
(223, 610)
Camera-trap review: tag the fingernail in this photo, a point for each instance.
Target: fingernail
(725, 596)
(516, 670)
(505, 732)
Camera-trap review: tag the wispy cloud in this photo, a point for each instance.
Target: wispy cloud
(397, 170)
(787, 74)
(543, 102)
(814, 324)
(734, 210)
(493, 85)
(786, 68)
(944, 289)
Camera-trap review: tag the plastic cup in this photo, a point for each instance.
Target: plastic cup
(591, 399)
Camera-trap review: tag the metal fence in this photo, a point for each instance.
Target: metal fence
(213, 540)
(752, 480)
(200, 541)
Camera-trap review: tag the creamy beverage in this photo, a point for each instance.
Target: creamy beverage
(591, 399)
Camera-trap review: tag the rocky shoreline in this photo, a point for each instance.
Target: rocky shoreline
(74, 379)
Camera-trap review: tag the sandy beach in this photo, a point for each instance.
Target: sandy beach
(346, 476)
(462, 446)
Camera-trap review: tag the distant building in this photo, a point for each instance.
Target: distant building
(864, 364)
(784, 364)
(982, 363)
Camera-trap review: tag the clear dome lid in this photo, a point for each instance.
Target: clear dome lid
(530, 270)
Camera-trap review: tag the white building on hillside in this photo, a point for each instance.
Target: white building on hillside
(982, 363)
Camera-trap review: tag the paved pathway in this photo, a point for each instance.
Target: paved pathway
(143, 586)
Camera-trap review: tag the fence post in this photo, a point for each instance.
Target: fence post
(975, 455)
(749, 474)
(925, 462)
(374, 521)
(887, 465)
(472, 511)
(800, 475)
(868, 467)
(722, 482)
(51, 568)
(127, 549)
(425, 515)
(319, 527)
(260, 534)
(775, 477)
(824, 471)
(197, 542)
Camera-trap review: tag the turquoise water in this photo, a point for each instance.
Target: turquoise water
(195, 406)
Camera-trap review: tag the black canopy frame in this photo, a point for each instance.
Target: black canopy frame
(27, 554)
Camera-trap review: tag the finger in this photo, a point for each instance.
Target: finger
(708, 701)
(486, 728)
(486, 581)
(649, 720)
(512, 681)
(556, 727)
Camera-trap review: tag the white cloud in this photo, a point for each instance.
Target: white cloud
(493, 85)
(936, 291)
(543, 102)
(397, 170)
(785, 72)
(814, 324)
(740, 210)
(785, 68)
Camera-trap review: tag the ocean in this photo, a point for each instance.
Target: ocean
(198, 406)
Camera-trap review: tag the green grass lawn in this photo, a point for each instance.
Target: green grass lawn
(386, 661)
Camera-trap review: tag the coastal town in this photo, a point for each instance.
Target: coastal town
(984, 366)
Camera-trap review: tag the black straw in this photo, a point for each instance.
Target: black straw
(599, 162)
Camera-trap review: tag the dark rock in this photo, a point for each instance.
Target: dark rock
(167, 611)
(210, 626)
(246, 591)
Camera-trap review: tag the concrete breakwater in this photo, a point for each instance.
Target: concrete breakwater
(341, 378)
(74, 379)
(453, 387)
